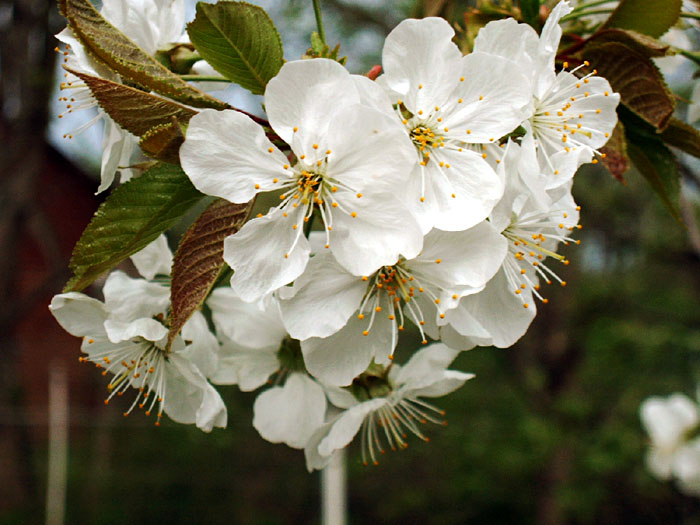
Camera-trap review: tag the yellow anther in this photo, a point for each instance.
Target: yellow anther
(328, 152)
(438, 261)
(270, 149)
(315, 146)
(461, 79)
(366, 332)
(378, 309)
(353, 215)
(295, 129)
(257, 186)
(420, 86)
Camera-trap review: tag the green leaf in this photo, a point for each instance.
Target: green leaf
(240, 41)
(639, 42)
(120, 54)
(654, 161)
(636, 78)
(530, 11)
(163, 142)
(199, 259)
(132, 216)
(651, 17)
(616, 159)
(682, 136)
(134, 110)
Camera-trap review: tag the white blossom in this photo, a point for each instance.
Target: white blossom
(501, 313)
(345, 321)
(349, 160)
(256, 346)
(386, 406)
(446, 102)
(571, 114)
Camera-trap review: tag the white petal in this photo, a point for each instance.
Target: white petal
(338, 359)
(304, 95)
(325, 296)
(382, 230)
(154, 259)
(149, 329)
(467, 258)
(226, 154)
(347, 425)
(421, 62)
(292, 413)
(450, 381)
(495, 95)
(466, 322)
(79, 314)
(370, 150)
(190, 398)
(509, 39)
(249, 368)
(117, 147)
(543, 67)
(372, 94)
(428, 361)
(474, 184)
(252, 325)
(340, 397)
(127, 298)
(261, 253)
(498, 310)
(314, 460)
(203, 349)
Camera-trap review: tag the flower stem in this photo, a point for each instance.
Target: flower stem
(580, 14)
(319, 21)
(695, 16)
(586, 5)
(202, 78)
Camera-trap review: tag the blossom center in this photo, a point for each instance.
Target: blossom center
(533, 237)
(137, 363)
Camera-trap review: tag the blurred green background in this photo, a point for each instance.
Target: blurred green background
(548, 432)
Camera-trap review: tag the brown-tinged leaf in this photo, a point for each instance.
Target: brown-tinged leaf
(199, 259)
(119, 53)
(616, 159)
(641, 43)
(682, 136)
(163, 142)
(639, 82)
(134, 110)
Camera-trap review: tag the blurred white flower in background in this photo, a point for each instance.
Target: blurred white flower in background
(672, 425)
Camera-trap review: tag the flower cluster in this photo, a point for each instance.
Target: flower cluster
(673, 424)
(436, 196)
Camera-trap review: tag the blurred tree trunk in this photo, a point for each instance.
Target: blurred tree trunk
(26, 75)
